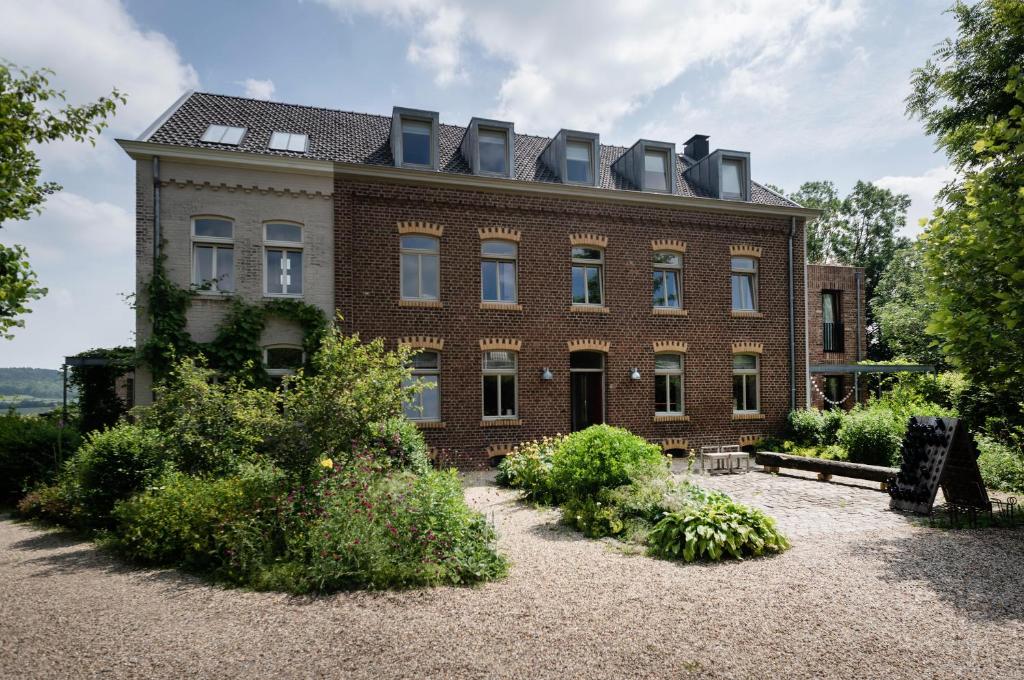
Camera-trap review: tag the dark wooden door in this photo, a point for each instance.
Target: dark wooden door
(587, 399)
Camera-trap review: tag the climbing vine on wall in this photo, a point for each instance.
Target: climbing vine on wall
(235, 349)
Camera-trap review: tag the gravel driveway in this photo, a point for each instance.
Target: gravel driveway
(901, 601)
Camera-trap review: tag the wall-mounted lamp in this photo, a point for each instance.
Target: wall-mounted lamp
(634, 373)
(546, 374)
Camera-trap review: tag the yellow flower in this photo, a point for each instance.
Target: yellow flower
(327, 463)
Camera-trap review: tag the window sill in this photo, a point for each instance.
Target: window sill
(748, 416)
(672, 418)
(270, 296)
(669, 311)
(213, 295)
(430, 424)
(592, 309)
(502, 306)
(746, 314)
(427, 304)
(501, 422)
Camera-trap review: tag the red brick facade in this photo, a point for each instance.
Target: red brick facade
(842, 281)
(367, 216)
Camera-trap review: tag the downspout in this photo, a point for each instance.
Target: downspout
(856, 376)
(156, 211)
(792, 318)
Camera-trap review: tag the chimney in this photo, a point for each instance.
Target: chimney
(696, 147)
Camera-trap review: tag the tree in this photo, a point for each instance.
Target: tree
(26, 119)
(957, 90)
(821, 196)
(902, 309)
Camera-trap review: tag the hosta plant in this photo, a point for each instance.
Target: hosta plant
(715, 530)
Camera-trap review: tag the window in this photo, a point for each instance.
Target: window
(587, 275)
(833, 391)
(416, 142)
(281, 361)
(656, 170)
(420, 267)
(283, 259)
(500, 384)
(425, 404)
(744, 383)
(578, 163)
(668, 267)
(223, 134)
(493, 156)
(213, 255)
(288, 141)
(732, 179)
(832, 325)
(744, 284)
(498, 271)
(668, 384)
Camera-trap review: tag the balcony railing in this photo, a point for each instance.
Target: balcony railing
(832, 336)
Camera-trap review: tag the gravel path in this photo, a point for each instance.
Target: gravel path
(900, 602)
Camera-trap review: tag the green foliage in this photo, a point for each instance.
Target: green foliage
(30, 452)
(98, 403)
(821, 195)
(601, 457)
(31, 114)
(806, 426)
(45, 383)
(592, 517)
(902, 309)
(722, 528)
(228, 527)
(1002, 468)
(872, 436)
(49, 503)
(398, 441)
(528, 468)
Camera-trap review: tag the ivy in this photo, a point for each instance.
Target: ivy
(98, 403)
(235, 349)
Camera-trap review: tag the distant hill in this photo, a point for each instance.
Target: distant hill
(42, 383)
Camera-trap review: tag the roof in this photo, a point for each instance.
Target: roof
(363, 138)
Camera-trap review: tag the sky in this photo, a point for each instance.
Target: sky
(813, 89)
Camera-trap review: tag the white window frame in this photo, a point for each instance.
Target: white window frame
(591, 164)
(416, 374)
(747, 374)
(666, 269)
(217, 243)
(666, 157)
(668, 372)
(742, 164)
(481, 130)
(420, 253)
(215, 134)
(288, 247)
(281, 372)
(485, 371)
(588, 263)
(500, 259)
(289, 137)
(752, 273)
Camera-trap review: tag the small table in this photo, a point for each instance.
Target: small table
(725, 458)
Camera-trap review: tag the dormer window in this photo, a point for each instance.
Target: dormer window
(579, 164)
(489, 147)
(414, 135)
(720, 174)
(656, 170)
(223, 134)
(732, 178)
(289, 141)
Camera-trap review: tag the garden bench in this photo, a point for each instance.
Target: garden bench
(772, 462)
(724, 458)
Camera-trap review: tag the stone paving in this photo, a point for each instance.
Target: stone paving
(806, 507)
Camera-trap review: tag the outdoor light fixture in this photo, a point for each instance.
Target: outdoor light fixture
(634, 374)
(546, 374)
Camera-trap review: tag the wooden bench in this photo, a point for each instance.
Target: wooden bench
(772, 462)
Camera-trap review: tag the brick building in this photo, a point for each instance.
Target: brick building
(835, 334)
(551, 283)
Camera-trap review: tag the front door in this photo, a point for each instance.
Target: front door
(587, 374)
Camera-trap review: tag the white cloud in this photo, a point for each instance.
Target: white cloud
(258, 89)
(575, 65)
(72, 229)
(922, 190)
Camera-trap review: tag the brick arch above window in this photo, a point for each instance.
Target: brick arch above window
(422, 342)
(670, 244)
(746, 347)
(500, 450)
(499, 234)
(418, 227)
(749, 439)
(589, 345)
(744, 251)
(588, 239)
(671, 346)
(675, 443)
(500, 344)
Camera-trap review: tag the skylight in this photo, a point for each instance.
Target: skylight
(288, 141)
(223, 134)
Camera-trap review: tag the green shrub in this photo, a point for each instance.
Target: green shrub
(602, 457)
(806, 426)
(110, 466)
(872, 436)
(832, 421)
(400, 442)
(714, 530)
(528, 468)
(48, 503)
(29, 452)
(227, 527)
(592, 517)
(1002, 468)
